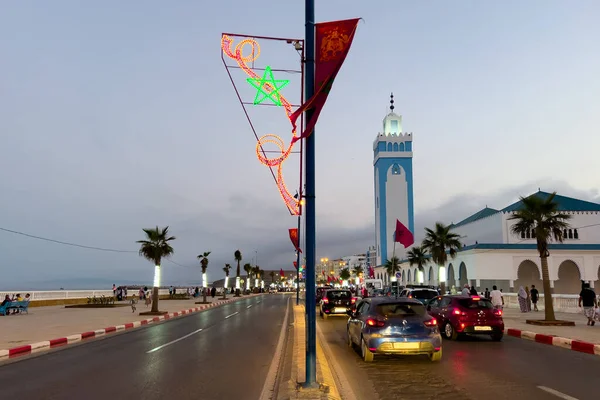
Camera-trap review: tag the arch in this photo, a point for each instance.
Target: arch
(575, 234)
(569, 278)
(401, 147)
(395, 147)
(415, 275)
(431, 277)
(408, 276)
(462, 274)
(528, 273)
(389, 147)
(396, 170)
(450, 276)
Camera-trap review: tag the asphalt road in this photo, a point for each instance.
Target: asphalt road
(222, 353)
(474, 368)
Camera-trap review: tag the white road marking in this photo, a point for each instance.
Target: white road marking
(249, 306)
(556, 393)
(269, 386)
(174, 341)
(237, 312)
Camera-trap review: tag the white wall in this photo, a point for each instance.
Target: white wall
(583, 221)
(397, 208)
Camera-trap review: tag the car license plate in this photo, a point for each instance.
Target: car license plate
(406, 346)
(339, 309)
(483, 328)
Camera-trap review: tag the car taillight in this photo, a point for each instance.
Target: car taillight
(325, 300)
(353, 300)
(375, 322)
(498, 313)
(458, 312)
(431, 323)
(410, 296)
(476, 298)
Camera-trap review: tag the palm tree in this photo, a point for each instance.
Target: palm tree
(358, 270)
(261, 273)
(543, 219)
(226, 269)
(248, 268)
(418, 256)
(272, 274)
(256, 271)
(154, 248)
(345, 274)
(238, 257)
(440, 242)
(204, 265)
(392, 266)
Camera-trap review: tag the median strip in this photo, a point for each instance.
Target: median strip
(566, 343)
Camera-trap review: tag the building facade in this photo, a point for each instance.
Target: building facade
(494, 255)
(393, 182)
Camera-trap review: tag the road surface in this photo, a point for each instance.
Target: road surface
(477, 368)
(222, 353)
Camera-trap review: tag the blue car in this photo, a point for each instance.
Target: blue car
(384, 325)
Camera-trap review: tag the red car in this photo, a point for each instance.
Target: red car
(466, 315)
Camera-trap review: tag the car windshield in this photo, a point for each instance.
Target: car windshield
(400, 309)
(338, 294)
(424, 294)
(475, 304)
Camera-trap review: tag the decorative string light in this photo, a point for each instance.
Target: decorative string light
(267, 88)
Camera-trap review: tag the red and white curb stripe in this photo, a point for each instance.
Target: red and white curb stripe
(15, 351)
(566, 343)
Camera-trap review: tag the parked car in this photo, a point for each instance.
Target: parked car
(320, 291)
(336, 301)
(383, 325)
(466, 315)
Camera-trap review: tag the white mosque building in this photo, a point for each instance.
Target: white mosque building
(492, 254)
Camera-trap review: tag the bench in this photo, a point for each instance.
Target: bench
(22, 306)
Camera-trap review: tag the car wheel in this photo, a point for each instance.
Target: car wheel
(449, 331)
(436, 357)
(497, 337)
(367, 355)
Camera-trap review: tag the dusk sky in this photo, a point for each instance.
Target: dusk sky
(117, 116)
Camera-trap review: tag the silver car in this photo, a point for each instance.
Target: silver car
(383, 325)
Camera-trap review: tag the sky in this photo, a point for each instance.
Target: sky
(117, 116)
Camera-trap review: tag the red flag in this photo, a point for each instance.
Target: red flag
(328, 279)
(281, 273)
(403, 235)
(333, 41)
(294, 239)
(295, 265)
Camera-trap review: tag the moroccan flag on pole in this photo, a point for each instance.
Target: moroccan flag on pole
(403, 235)
(294, 239)
(281, 273)
(333, 41)
(295, 265)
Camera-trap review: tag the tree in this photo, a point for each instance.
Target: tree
(441, 242)
(154, 248)
(204, 265)
(392, 266)
(417, 256)
(261, 274)
(345, 274)
(238, 257)
(226, 269)
(256, 273)
(248, 269)
(358, 271)
(543, 219)
(272, 274)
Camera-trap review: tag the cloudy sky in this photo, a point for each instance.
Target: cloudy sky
(116, 116)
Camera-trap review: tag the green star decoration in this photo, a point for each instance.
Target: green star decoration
(268, 87)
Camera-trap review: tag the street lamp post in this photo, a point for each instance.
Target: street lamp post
(311, 312)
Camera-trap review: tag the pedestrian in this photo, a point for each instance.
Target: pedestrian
(528, 298)
(473, 291)
(453, 290)
(465, 290)
(497, 298)
(522, 296)
(588, 298)
(535, 295)
(486, 294)
(133, 303)
(213, 292)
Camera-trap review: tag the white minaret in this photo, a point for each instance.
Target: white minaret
(392, 161)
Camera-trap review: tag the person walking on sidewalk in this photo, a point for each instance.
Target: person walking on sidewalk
(522, 296)
(528, 298)
(535, 295)
(588, 298)
(497, 298)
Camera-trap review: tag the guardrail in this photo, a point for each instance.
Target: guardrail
(73, 294)
(562, 302)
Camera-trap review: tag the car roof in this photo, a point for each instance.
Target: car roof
(388, 300)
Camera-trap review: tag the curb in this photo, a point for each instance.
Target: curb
(28, 348)
(565, 343)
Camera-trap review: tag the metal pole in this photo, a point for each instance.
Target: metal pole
(311, 312)
(298, 267)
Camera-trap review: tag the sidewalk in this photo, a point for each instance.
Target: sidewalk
(47, 323)
(514, 319)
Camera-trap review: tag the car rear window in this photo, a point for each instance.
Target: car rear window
(475, 304)
(424, 294)
(339, 294)
(400, 309)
